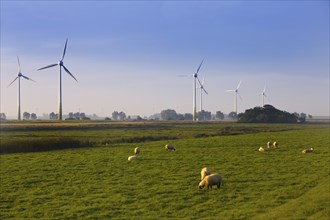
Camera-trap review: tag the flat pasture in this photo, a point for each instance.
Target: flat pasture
(94, 180)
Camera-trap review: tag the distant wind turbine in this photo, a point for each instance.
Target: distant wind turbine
(19, 75)
(60, 63)
(236, 93)
(263, 95)
(194, 91)
(202, 90)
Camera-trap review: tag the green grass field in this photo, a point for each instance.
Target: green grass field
(95, 180)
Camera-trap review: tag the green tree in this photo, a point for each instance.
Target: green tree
(52, 116)
(26, 115)
(33, 116)
(168, 114)
(219, 115)
(188, 116)
(232, 115)
(71, 115)
(121, 116)
(204, 115)
(115, 115)
(267, 114)
(3, 116)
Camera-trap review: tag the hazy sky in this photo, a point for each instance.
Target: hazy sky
(127, 56)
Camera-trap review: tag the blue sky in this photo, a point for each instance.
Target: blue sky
(127, 56)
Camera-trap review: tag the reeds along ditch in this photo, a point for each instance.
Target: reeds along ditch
(40, 144)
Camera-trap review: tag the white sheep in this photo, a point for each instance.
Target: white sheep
(275, 144)
(205, 172)
(269, 144)
(210, 180)
(130, 158)
(169, 147)
(261, 149)
(307, 151)
(137, 150)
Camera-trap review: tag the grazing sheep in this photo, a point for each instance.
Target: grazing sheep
(169, 147)
(137, 150)
(275, 144)
(307, 151)
(269, 144)
(205, 172)
(130, 158)
(261, 149)
(210, 180)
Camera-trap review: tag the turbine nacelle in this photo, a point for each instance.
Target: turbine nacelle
(60, 63)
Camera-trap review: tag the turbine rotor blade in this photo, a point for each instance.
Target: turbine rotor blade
(205, 91)
(25, 77)
(64, 49)
(230, 90)
(19, 65)
(200, 65)
(184, 75)
(239, 84)
(239, 96)
(199, 82)
(48, 66)
(66, 70)
(12, 81)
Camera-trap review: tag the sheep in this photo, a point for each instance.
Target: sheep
(307, 151)
(269, 144)
(137, 150)
(210, 180)
(130, 158)
(261, 149)
(275, 144)
(205, 172)
(169, 147)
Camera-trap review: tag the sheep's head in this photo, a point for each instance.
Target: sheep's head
(201, 184)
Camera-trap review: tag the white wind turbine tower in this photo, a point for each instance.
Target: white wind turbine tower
(194, 91)
(263, 95)
(236, 93)
(60, 63)
(202, 89)
(19, 75)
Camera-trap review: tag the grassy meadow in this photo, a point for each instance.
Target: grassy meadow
(74, 170)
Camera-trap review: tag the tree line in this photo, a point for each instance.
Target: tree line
(266, 114)
(170, 114)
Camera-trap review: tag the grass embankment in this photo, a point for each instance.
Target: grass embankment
(100, 183)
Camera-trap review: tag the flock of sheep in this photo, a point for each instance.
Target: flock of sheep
(269, 145)
(168, 147)
(275, 145)
(207, 179)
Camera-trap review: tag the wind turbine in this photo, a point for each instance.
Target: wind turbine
(60, 63)
(263, 95)
(194, 90)
(202, 89)
(19, 75)
(236, 93)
